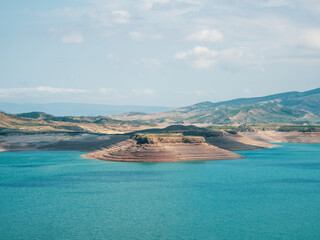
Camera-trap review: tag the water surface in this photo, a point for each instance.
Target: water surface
(273, 194)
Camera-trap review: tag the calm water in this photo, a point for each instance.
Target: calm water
(273, 194)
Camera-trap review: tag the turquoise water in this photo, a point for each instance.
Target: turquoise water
(273, 194)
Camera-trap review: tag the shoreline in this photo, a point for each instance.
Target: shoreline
(131, 151)
(102, 147)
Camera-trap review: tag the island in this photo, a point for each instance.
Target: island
(162, 148)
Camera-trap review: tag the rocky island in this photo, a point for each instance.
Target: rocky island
(162, 148)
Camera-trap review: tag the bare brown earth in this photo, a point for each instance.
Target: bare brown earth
(163, 151)
(286, 137)
(235, 142)
(11, 124)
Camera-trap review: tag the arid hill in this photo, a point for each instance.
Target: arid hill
(37, 122)
(285, 137)
(290, 107)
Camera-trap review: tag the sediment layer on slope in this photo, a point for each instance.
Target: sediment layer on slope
(235, 142)
(131, 151)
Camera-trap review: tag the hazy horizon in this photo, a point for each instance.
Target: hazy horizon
(156, 52)
(134, 105)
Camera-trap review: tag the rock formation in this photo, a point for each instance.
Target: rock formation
(162, 148)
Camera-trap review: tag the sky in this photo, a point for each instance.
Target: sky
(156, 52)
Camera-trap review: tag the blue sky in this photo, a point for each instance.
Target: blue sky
(156, 52)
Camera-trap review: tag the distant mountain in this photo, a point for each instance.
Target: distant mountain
(77, 109)
(289, 107)
(308, 99)
(39, 122)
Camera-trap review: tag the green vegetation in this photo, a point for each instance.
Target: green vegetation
(38, 122)
(291, 107)
(297, 128)
(293, 111)
(232, 129)
(181, 129)
(166, 138)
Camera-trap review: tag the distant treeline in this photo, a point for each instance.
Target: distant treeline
(232, 129)
(299, 129)
(184, 130)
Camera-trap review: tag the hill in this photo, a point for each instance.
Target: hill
(38, 122)
(289, 107)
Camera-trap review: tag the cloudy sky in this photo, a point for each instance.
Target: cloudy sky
(156, 52)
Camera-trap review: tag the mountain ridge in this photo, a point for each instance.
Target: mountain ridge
(263, 98)
(289, 107)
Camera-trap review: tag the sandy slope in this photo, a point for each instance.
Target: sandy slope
(235, 142)
(289, 137)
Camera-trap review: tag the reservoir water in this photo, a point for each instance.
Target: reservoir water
(272, 194)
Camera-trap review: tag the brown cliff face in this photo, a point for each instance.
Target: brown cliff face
(162, 149)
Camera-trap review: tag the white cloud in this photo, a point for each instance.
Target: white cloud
(232, 55)
(72, 38)
(300, 60)
(236, 58)
(205, 58)
(137, 35)
(101, 15)
(206, 35)
(247, 91)
(313, 6)
(148, 4)
(203, 63)
(273, 3)
(148, 63)
(200, 93)
(120, 16)
(51, 94)
(266, 32)
(145, 92)
(40, 89)
(200, 57)
(59, 90)
(181, 55)
(107, 91)
(311, 38)
(111, 56)
(196, 51)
